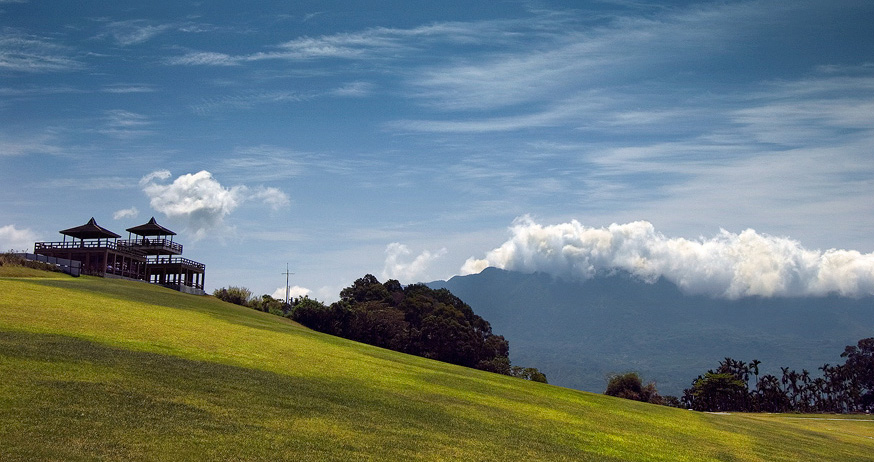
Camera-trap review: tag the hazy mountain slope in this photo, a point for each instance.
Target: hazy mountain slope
(579, 332)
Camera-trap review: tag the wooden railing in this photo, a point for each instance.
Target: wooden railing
(176, 261)
(111, 245)
(146, 244)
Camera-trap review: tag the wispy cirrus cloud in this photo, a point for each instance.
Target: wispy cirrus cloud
(121, 88)
(353, 90)
(94, 183)
(380, 43)
(247, 100)
(204, 58)
(28, 145)
(264, 163)
(137, 31)
(777, 160)
(122, 124)
(22, 52)
(34, 90)
(820, 108)
(558, 59)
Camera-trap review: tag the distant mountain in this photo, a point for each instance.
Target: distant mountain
(580, 332)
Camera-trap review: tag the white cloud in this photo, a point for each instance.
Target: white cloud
(202, 201)
(264, 163)
(156, 175)
(354, 90)
(19, 240)
(122, 124)
(123, 88)
(27, 145)
(247, 100)
(727, 265)
(270, 196)
(399, 265)
(293, 292)
(135, 31)
(384, 43)
(125, 213)
(571, 55)
(204, 58)
(27, 53)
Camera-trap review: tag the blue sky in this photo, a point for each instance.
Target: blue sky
(414, 139)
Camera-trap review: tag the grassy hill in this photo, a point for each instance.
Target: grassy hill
(95, 369)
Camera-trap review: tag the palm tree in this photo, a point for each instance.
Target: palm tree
(754, 366)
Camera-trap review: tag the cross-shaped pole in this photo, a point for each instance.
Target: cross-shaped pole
(287, 274)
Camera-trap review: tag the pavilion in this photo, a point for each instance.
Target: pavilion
(164, 265)
(98, 250)
(151, 256)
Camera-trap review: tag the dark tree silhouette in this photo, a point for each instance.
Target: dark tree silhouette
(414, 319)
(847, 387)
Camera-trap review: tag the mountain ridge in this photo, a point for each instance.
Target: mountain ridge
(578, 333)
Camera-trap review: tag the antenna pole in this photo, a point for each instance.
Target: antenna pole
(287, 289)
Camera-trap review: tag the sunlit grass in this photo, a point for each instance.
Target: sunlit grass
(110, 369)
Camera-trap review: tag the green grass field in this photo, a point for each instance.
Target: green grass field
(96, 369)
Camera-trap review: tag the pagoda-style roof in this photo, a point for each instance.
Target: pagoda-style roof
(152, 228)
(90, 230)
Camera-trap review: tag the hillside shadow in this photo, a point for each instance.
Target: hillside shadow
(112, 400)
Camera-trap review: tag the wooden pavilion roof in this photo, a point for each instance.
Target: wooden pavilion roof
(90, 230)
(152, 228)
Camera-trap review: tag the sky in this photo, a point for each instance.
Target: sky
(726, 145)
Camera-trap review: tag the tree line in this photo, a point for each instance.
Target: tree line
(413, 319)
(737, 386)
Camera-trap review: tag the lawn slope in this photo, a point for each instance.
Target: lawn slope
(116, 370)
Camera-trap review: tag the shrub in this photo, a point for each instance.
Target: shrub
(236, 295)
(13, 259)
(629, 386)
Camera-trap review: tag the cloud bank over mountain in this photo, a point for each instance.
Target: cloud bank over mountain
(730, 265)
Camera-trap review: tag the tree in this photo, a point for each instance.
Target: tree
(236, 295)
(847, 387)
(769, 396)
(717, 392)
(754, 367)
(630, 386)
(365, 289)
(414, 319)
(267, 304)
(859, 370)
(528, 373)
(315, 315)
